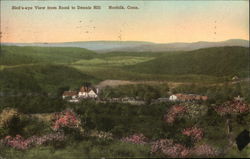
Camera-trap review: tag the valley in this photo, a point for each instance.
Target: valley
(145, 98)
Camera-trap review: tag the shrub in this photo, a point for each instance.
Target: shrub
(205, 150)
(9, 122)
(18, 142)
(173, 113)
(136, 139)
(169, 149)
(232, 107)
(65, 119)
(194, 132)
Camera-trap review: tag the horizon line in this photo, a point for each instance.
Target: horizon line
(119, 41)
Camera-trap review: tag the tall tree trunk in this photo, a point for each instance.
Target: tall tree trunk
(229, 132)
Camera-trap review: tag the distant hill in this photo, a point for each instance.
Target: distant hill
(15, 55)
(219, 61)
(182, 46)
(90, 45)
(138, 46)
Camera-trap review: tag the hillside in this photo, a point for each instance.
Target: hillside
(47, 69)
(221, 61)
(182, 46)
(42, 78)
(15, 55)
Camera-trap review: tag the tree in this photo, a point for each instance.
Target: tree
(229, 110)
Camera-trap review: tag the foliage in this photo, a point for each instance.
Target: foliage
(169, 149)
(217, 93)
(7, 115)
(101, 135)
(20, 143)
(195, 111)
(145, 92)
(232, 107)
(221, 61)
(173, 113)
(194, 132)
(63, 119)
(9, 121)
(33, 103)
(205, 151)
(14, 122)
(40, 79)
(88, 148)
(135, 138)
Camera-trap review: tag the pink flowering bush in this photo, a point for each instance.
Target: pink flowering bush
(205, 151)
(173, 113)
(136, 139)
(169, 148)
(18, 142)
(65, 119)
(232, 107)
(194, 132)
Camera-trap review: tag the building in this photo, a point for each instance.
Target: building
(70, 94)
(187, 97)
(173, 97)
(83, 93)
(235, 78)
(88, 92)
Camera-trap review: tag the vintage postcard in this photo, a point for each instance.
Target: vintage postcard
(124, 79)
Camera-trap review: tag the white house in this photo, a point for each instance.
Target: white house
(86, 92)
(173, 97)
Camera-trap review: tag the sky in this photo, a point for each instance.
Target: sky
(154, 21)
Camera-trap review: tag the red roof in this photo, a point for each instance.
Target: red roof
(86, 89)
(190, 97)
(70, 93)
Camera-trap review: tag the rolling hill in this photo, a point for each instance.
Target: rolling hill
(15, 55)
(41, 78)
(220, 61)
(47, 69)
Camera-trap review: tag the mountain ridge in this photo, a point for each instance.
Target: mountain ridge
(138, 46)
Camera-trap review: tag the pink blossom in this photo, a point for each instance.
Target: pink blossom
(173, 113)
(232, 107)
(20, 143)
(169, 148)
(136, 139)
(65, 119)
(205, 151)
(194, 132)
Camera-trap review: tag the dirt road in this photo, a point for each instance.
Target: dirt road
(114, 83)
